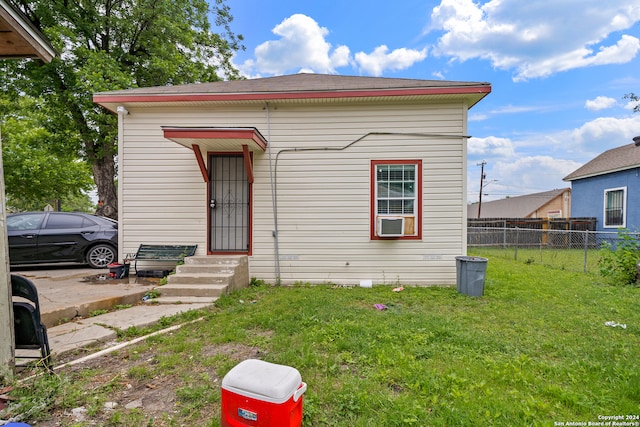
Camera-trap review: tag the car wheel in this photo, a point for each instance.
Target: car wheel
(101, 256)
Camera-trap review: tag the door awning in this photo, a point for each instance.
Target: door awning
(203, 140)
(216, 138)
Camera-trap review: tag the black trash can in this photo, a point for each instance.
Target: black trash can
(471, 272)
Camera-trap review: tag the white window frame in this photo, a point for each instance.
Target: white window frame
(624, 208)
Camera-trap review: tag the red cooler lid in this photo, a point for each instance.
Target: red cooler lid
(262, 380)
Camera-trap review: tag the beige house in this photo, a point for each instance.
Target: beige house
(316, 178)
(547, 204)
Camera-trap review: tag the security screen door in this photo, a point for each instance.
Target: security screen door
(229, 204)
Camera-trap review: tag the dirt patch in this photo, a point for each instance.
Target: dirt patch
(153, 398)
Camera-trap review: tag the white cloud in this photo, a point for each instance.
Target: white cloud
(490, 146)
(301, 45)
(512, 170)
(518, 169)
(512, 109)
(603, 133)
(537, 38)
(600, 103)
(478, 117)
(380, 59)
(624, 51)
(631, 105)
(531, 174)
(341, 57)
(519, 176)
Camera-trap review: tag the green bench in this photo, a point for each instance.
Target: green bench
(162, 253)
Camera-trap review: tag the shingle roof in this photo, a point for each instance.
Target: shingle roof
(513, 207)
(299, 88)
(616, 159)
(299, 82)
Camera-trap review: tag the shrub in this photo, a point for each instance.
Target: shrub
(619, 261)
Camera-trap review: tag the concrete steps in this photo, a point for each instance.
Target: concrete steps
(204, 279)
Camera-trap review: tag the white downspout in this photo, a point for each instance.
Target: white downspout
(274, 205)
(122, 112)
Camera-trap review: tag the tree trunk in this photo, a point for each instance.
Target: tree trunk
(103, 173)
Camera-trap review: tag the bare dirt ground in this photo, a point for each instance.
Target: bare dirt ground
(154, 398)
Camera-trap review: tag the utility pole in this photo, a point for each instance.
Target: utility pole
(482, 178)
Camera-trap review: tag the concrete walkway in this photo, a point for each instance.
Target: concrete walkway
(68, 295)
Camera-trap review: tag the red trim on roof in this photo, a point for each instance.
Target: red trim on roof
(181, 97)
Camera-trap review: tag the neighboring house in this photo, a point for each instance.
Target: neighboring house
(317, 178)
(548, 204)
(19, 38)
(608, 188)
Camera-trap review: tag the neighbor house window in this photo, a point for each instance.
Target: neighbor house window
(396, 199)
(615, 203)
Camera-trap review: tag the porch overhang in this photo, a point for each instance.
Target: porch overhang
(203, 140)
(19, 38)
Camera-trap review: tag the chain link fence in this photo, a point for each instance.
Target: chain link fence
(573, 250)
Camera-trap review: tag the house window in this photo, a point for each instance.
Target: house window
(615, 201)
(396, 199)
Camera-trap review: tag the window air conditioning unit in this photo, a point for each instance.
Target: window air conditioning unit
(390, 227)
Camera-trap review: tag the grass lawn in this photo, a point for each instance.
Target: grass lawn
(534, 350)
(563, 259)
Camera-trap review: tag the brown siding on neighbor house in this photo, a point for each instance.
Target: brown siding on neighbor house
(559, 206)
(535, 205)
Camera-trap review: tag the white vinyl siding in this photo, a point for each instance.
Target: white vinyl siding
(321, 164)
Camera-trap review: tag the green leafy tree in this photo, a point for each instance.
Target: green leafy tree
(78, 203)
(37, 169)
(107, 45)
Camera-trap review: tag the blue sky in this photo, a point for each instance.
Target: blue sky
(559, 70)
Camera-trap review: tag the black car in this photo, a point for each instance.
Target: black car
(49, 237)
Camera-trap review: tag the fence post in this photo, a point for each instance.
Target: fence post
(515, 256)
(504, 234)
(586, 250)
